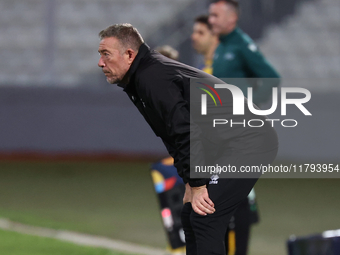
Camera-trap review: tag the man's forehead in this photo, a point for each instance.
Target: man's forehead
(218, 6)
(108, 43)
(200, 26)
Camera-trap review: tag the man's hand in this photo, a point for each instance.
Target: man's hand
(200, 201)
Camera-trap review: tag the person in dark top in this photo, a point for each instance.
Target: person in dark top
(160, 89)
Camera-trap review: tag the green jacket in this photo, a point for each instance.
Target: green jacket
(237, 56)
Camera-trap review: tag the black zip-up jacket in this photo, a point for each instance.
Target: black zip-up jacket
(160, 89)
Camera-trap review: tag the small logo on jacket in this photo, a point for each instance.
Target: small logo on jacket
(229, 56)
(214, 179)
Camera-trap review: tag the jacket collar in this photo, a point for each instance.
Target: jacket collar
(143, 50)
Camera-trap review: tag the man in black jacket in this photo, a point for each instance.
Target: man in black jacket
(160, 89)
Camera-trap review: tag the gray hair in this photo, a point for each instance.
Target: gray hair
(127, 35)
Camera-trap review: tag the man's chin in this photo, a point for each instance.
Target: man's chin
(112, 81)
(197, 49)
(216, 31)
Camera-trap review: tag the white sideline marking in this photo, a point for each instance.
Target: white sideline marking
(78, 238)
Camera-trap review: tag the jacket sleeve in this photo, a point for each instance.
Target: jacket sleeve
(164, 93)
(258, 67)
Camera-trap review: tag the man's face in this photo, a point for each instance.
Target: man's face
(222, 18)
(114, 60)
(201, 37)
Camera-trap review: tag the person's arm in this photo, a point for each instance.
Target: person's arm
(258, 67)
(165, 96)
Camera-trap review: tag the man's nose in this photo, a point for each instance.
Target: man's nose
(101, 62)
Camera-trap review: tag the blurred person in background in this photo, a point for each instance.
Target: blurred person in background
(237, 56)
(204, 42)
(169, 185)
(160, 88)
(168, 51)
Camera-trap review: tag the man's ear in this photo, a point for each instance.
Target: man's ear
(234, 16)
(130, 54)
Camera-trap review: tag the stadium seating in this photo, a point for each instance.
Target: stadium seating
(306, 46)
(28, 28)
(302, 44)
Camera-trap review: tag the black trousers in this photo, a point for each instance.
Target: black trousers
(205, 235)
